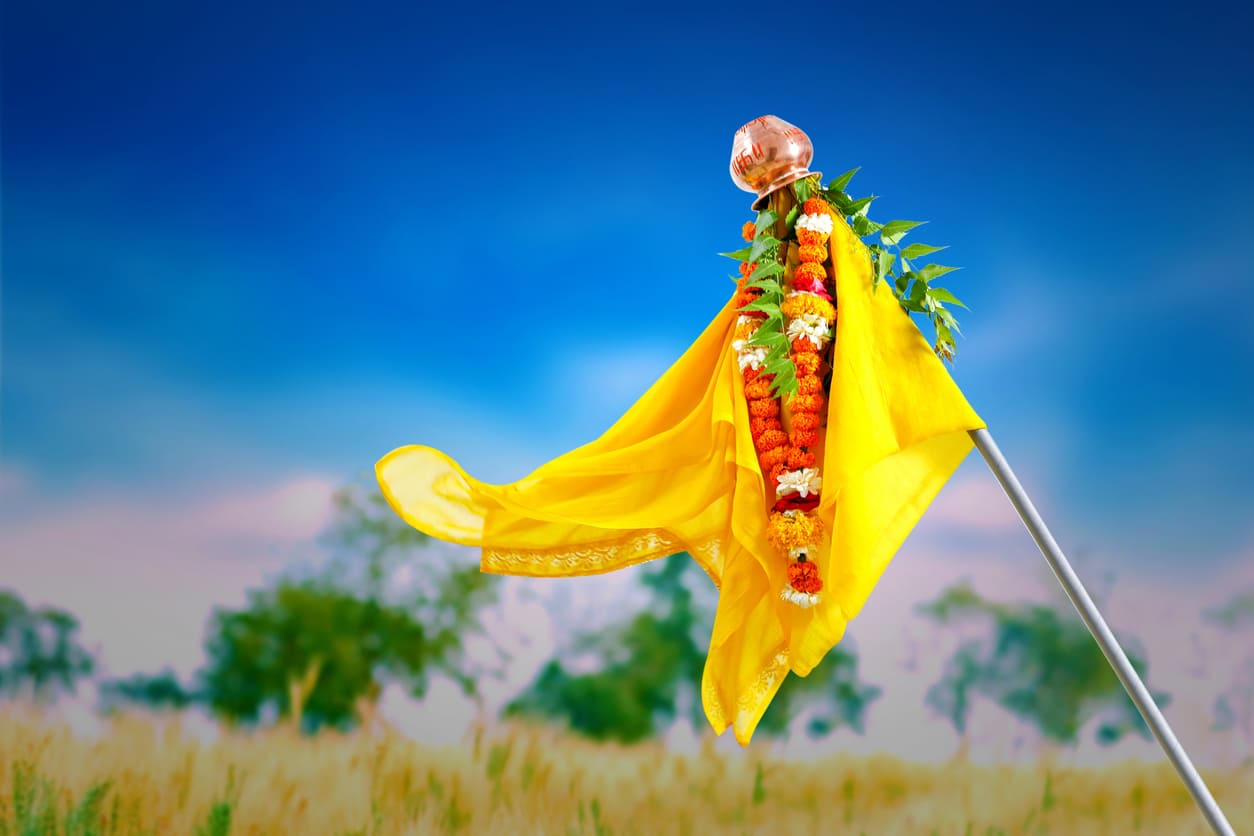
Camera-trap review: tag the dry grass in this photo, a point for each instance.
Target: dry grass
(520, 781)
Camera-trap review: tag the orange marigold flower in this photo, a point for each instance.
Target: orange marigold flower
(798, 304)
(805, 420)
(810, 238)
(757, 426)
(815, 206)
(803, 346)
(807, 363)
(772, 439)
(772, 457)
(806, 403)
(748, 230)
(803, 438)
(811, 270)
(803, 576)
(809, 384)
(747, 297)
(764, 408)
(758, 389)
(776, 472)
(798, 459)
(793, 531)
(813, 254)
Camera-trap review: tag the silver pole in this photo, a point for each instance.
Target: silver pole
(1105, 638)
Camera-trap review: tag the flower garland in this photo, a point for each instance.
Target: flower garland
(785, 456)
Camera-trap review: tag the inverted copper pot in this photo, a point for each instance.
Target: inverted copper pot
(768, 154)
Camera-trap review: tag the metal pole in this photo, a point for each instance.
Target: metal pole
(1105, 638)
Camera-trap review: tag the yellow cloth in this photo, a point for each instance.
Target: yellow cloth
(678, 472)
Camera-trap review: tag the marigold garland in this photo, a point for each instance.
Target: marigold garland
(785, 456)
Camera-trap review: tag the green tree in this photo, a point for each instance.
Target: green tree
(161, 690)
(648, 661)
(1234, 706)
(39, 650)
(321, 647)
(1041, 665)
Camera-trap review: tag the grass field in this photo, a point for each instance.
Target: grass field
(144, 776)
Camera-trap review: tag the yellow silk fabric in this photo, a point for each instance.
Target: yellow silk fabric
(678, 472)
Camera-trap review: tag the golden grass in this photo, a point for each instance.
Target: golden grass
(523, 781)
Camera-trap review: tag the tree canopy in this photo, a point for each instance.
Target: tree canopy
(1037, 663)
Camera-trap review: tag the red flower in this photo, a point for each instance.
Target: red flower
(795, 501)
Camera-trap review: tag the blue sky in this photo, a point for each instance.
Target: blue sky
(242, 244)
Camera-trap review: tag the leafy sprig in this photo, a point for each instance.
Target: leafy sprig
(910, 284)
(766, 276)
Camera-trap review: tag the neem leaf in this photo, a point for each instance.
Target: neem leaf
(858, 207)
(933, 270)
(766, 270)
(791, 217)
(802, 189)
(918, 290)
(741, 254)
(942, 295)
(894, 231)
(767, 286)
(883, 263)
(768, 308)
(838, 185)
(765, 218)
(920, 250)
(863, 226)
(761, 247)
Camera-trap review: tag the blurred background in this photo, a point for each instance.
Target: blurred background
(249, 250)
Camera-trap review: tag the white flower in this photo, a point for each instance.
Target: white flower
(751, 357)
(811, 326)
(821, 224)
(745, 320)
(805, 600)
(805, 482)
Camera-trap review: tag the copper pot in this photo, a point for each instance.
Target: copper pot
(768, 154)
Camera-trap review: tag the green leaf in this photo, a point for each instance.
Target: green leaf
(903, 280)
(947, 318)
(801, 189)
(914, 305)
(768, 308)
(920, 250)
(917, 291)
(894, 231)
(905, 265)
(883, 263)
(791, 217)
(761, 247)
(767, 269)
(839, 184)
(940, 294)
(859, 207)
(770, 287)
(765, 218)
(934, 270)
(841, 201)
(741, 254)
(864, 226)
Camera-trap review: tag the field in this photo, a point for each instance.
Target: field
(142, 775)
